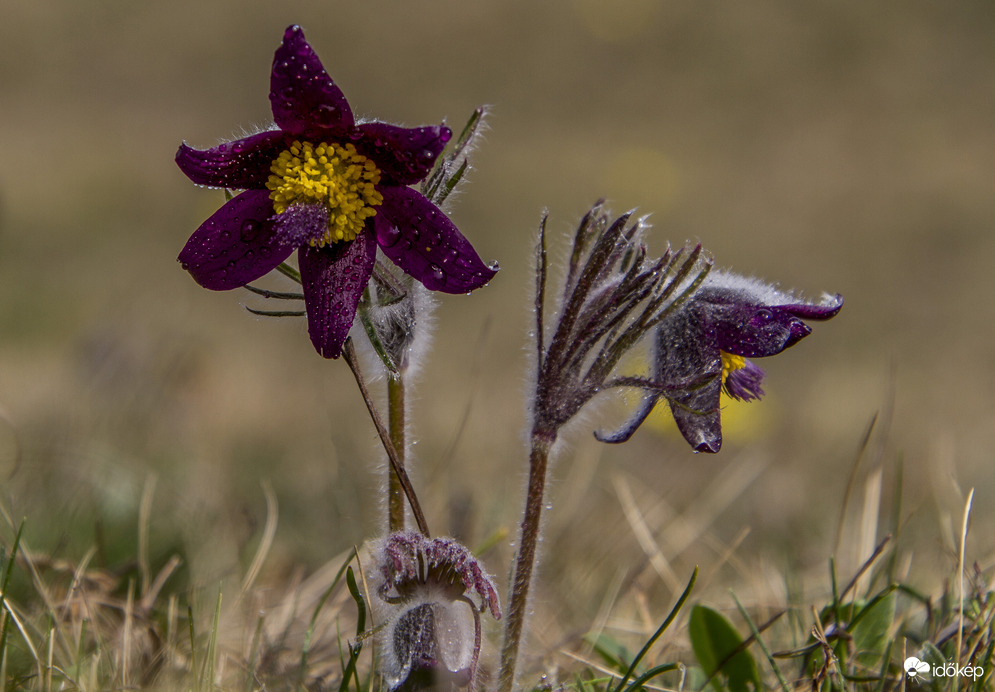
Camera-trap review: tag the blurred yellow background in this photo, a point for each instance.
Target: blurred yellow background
(839, 146)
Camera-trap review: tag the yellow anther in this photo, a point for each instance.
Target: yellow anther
(731, 363)
(338, 177)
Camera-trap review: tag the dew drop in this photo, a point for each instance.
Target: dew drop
(328, 114)
(250, 229)
(387, 236)
(437, 274)
(494, 266)
(185, 266)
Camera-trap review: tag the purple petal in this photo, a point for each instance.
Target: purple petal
(305, 100)
(745, 384)
(237, 245)
(752, 331)
(240, 165)
(403, 155)
(334, 278)
(423, 242)
(818, 311)
(301, 223)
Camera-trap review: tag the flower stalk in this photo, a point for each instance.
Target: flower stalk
(613, 296)
(396, 423)
(514, 625)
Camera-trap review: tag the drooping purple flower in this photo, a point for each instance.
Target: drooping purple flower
(331, 188)
(701, 349)
(430, 624)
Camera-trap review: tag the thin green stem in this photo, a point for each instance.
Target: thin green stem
(542, 443)
(396, 424)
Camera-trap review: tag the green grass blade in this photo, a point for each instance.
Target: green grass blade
(3, 588)
(763, 647)
(306, 649)
(650, 674)
(354, 649)
(656, 635)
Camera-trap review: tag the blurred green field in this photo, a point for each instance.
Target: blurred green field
(838, 146)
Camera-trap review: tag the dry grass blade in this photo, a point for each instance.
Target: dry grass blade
(265, 543)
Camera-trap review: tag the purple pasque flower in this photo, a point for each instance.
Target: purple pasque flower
(331, 188)
(702, 349)
(430, 625)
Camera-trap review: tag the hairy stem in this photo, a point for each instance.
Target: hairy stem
(349, 355)
(542, 442)
(395, 422)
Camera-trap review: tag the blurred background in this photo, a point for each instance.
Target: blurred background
(834, 146)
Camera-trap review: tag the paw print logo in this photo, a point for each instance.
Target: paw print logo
(914, 667)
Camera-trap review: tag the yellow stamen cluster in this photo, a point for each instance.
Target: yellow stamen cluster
(731, 363)
(338, 177)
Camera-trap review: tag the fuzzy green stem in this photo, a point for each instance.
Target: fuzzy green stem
(395, 423)
(542, 442)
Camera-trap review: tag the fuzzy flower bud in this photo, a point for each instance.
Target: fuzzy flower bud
(613, 296)
(430, 635)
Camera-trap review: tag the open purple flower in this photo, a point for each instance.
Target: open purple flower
(702, 348)
(332, 188)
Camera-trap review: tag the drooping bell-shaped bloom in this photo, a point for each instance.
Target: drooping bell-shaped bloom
(429, 596)
(331, 188)
(703, 347)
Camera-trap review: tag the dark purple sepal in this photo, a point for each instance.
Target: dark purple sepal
(425, 244)
(333, 278)
(623, 434)
(238, 244)
(404, 155)
(745, 384)
(240, 165)
(817, 311)
(751, 331)
(701, 427)
(689, 368)
(306, 102)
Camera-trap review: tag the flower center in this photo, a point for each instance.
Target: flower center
(338, 177)
(731, 363)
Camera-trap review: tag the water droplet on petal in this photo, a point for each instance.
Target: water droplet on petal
(327, 114)
(437, 273)
(250, 229)
(388, 235)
